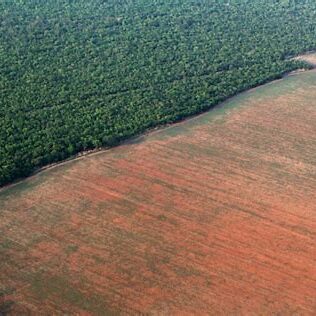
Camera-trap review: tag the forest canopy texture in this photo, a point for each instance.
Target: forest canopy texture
(80, 74)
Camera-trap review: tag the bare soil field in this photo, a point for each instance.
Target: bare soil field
(216, 215)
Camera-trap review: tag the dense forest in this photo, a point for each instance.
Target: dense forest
(81, 74)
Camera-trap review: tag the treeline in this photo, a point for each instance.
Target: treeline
(76, 75)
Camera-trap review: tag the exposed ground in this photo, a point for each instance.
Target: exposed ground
(216, 215)
(310, 58)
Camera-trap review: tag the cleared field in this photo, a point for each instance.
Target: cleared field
(216, 215)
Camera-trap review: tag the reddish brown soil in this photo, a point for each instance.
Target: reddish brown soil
(213, 216)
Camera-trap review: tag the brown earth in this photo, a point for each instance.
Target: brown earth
(310, 58)
(216, 215)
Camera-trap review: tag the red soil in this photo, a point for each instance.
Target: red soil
(214, 216)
